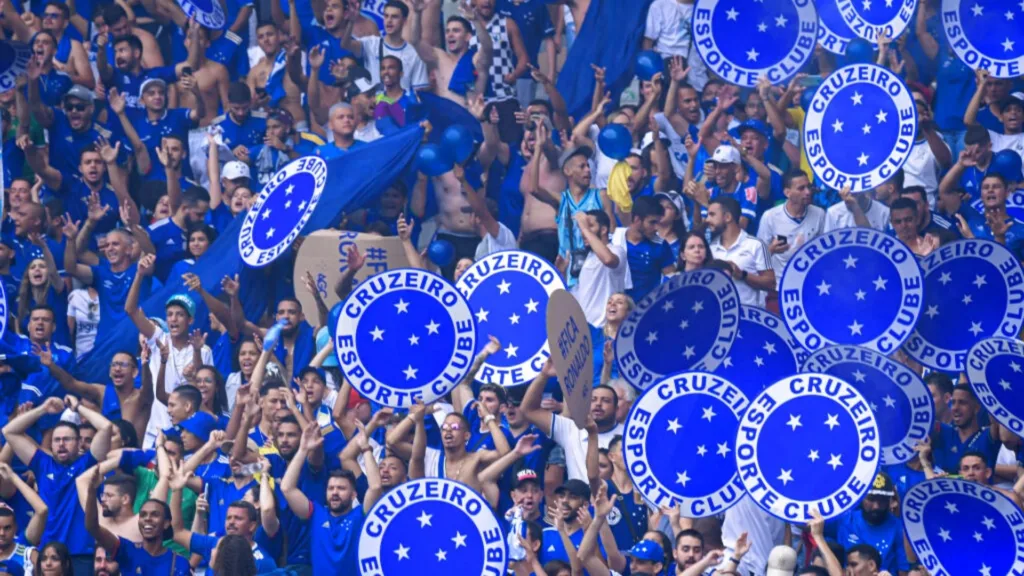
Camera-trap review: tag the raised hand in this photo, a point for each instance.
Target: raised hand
(117, 101)
(355, 259)
(316, 57)
(525, 445)
(677, 69)
(493, 345)
(44, 354)
(147, 264)
(405, 227)
(192, 281)
(53, 405)
(230, 285)
(108, 153)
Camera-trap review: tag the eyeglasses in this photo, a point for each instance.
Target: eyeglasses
(453, 427)
(74, 107)
(120, 364)
(51, 15)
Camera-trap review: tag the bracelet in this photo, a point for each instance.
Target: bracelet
(735, 560)
(489, 418)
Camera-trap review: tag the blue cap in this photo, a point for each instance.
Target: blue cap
(754, 124)
(11, 568)
(647, 550)
(183, 300)
(201, 425)
(322, 338)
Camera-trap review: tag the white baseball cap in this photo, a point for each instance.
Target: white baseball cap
(726, 154)
(782, 559)
(235, 169)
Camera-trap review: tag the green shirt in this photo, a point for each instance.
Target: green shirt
(145, 480)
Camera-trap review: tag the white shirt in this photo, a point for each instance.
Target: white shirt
(159, 419)
(668, 25)
(603, 438)
(751, 255)
(777, 222)
(598, 282)
(922, 169)
(368, 133)
(764, 532)
(414, 71)
(839, 216)
(565, 433)
(86, 312)
(490, 244)
(1013, 142)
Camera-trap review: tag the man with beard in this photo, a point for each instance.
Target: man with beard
(748, 258)
(459, 69)
(116, 502)
(270, 75)
(682, 116)
(241, 128)
(55, 475)
(873, 524)
(373, 49)
(604, 404)
(326, 41)
(729, 173)
(950, 441)
(128, 75)
(509, 62)
(211, 79)
(999, 226)
(970, 168)
(105, 564)
(570, 498)
(115, 23)
(180, 310)
(153, 121)
(149, 557)
(168, 236)
(241, 519)
(335, 527)
(787, 227)
(70, 52)
(297, 345)
(21, 553)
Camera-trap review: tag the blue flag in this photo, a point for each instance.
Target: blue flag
(352, 181)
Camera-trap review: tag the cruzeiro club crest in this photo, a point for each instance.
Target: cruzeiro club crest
(508, 292)
(403, 335)
(852, 286)
(14, 59)
(209, 13)
(860, 127)
(763, 353)
(432, 526)
(961, 527)
(281, 210)
(693, 416)
(808, 442)
(973, 289)
(833, 33)
(986, 34)
(899, 398)
(697, 312)
(995, 369)
(744, 40)
(868, 18)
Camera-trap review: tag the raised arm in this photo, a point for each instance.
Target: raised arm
(15, 432)
(297, 501)
(131, 304)
(971, 114)
(423, 48)
(178, 482)
(524, 447)
(530, 405)
(36, 526)
(104, 537)
(119, 105)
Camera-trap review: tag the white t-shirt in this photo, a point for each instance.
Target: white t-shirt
(1013, 142)
(839, 216)
(751, 255)
(159, 419)
(565, 433)
(368, 133)
(598, 282)
(86, 312)
(414, 71)
(922, 169)
(489, 244)
(668, 24)
(764, 532)
(777, 222)
(603, 438)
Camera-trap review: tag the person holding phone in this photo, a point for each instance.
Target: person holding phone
(791, 224)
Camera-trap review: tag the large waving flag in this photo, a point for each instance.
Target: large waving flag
(612, 33)
(352, 181)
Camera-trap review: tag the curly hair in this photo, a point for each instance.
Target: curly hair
(234, 556)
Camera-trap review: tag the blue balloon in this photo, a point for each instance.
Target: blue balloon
(648, 63)
(441, 252)
(805, 98)
(860, 51)
(1007, 164)
(332, 319)
(458, 142)
(432, 160)
(615, 141)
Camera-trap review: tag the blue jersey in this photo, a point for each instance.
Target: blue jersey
(298, 532)
(56, 486)
(904, 477)
(173, 122)
(24, 253)
(332, 150)
(948, 448)
(533, 20)
(222, 492)
(40, 386)
(75, 193)
(171, 245)
(53, 85)
(551, 547)
(249, 133)
(746, 194)
(204, 546)
(646, 261)
(851, 529)
(66, 145)
(112, 289)
(329, 45)
(335, 540)
(130, 84)
(1014, 236)
(134, 559)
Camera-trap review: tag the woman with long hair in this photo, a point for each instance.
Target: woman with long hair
(215, 398)
(41, 285)
(233, 556)
(671, 227)
(616, 310)
(54, 560)
(694, 252)
(631, 504)
(246, 357)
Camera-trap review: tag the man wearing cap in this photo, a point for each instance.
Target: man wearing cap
(569, 498)
(999, 226)
(241, 128)
(361, 95)
(180, 310)
(646, 558)
(728, 173)
(153, 120)
(128, 75)
(528, 495)
(873, 524)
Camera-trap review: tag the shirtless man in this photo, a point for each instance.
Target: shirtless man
(325, 41)
(270, 75)
(115, 23)
(457, 34)
(56, 18)
(116, 501)
(538, 231)
(210, 77)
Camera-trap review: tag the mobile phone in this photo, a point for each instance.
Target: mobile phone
(186, 70)
(782, 239)
(811, 81)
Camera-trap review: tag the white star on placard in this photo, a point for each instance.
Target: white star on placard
(674, 425)
(424, 519)
(769, 348)
(752, 55)
(531, 306)
(862, 160)
(945, 278)
(866, 129)
(266, 214)
(786, 476)
(880, 283)
(514, 318)
(682, 478)
(668, 305)
(410, 372)
(1015, 367)
(794, 422)
(759, 361)
(701, 450)
(975, 328)
(835, 461)
(377, 333)
(288, 191)
(859, 376)
(459, 539)
(860, 294)
(723, 449)
(832, 421)
(837, 126)
(951, 508)
(510, 351)
(689, 352)
(503, 287)
(881, 116)
(727, 362)
(944, 534)
(302, 206)
(441, 555)
(287, 204)
(979, 280)
(1008, 45)
(1008, 15)
(985, 570)
(481, 315)
(857, 98)
(432, 327)
(813, 456)
(709, 413)
(978, 537)
(967, 299)
(977, 9)
(731, 14)
(270, 232)
(402, 551)
(890, 402)
(402, 307)
(652, 337)
(414, 340)
(780, 21)
(684, 324)
(697, 306)
(932, 311)
(824, 288)
(850, 261)
(762, 27)
(989, 523)
(866, 4)
(855, 328)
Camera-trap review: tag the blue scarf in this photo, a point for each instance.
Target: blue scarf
(302, 355)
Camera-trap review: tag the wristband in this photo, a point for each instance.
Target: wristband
(744, 277)
(735, 560)
(489, 418)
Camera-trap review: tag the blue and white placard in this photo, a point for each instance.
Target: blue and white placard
(14, 59)
(899, 397)
(973, 289)
(852, 286)
(432, 526)
(763, 353)
(508, 292)
(1014, 205)
(3, 308)
(833, 33)
(687, 323)
(808, 442)
(986, 34)
(281, 210)
(744, 40)
(692, 416)
(209, 13)
(860, 127)
(995, 369)
(962, 527)
(403, 335)
(868, 18)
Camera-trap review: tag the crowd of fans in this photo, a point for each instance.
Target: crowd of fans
(137, 134)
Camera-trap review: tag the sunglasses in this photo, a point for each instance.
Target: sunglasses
(454, 427)
(120, 364)
(51, 15)
(74, 107)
